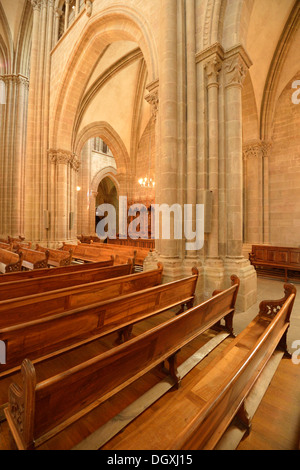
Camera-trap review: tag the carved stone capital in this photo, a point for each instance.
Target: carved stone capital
(153, 98)
(256, 149)
(75, 163)
(36, 4)
(237, 64)
(64, 157)
(235, 72)
(88, 7)
(212, 68)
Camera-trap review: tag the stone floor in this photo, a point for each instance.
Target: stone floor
(269, 289)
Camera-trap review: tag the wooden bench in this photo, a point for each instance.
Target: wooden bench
(57, 258)
(10, 262)
(276, 262)
(87, 253)
(6, 246)
(50, 335)
(23, 288)
(22, 276)
(77, 391)
(217, 396)
(34, 259)
(137, 253)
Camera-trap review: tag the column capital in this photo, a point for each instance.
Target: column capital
(256, 149)
(211, 51)
(237, 64)
(36, 4)
(64, 157)
(153, 97)
(212, 68)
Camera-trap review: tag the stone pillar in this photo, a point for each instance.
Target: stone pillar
(214, 267)
(65, 167)
(192, 258)
(38, 175)
(12, 158)
(168, 121)
(236, 68)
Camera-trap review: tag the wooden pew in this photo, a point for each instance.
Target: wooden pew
(86, 253)
(34, 260)
(22, 276)
(23, 288)
(202, 415)
(50, 335)
(6, 246)
(57, 258)
(10, 262)
(276, 262)
(139, 254)
(77, 391)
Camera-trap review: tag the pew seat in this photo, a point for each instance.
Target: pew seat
(76, 392)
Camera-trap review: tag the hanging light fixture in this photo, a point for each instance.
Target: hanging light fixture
(147, 181)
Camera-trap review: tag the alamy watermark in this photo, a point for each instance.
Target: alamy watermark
(296, 354)
(2, 352)
(174, 222)
(296, 94)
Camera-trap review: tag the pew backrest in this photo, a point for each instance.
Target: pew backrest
(21, 276)
(105, 374)
(85, 252)
(34, 307)
(57, 258)
(34, 259)
(55, 333)
(38, 285)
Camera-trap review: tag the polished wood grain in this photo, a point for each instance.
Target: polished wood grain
(90, 254)
(10, 262)
(48, 407)
(38, 285)
(35, 329)
(78, 268)
(203, 413)
(34, 259)
(276, 262)
(56, 257)
(137, 253)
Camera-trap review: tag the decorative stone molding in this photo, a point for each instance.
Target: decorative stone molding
(64, 157)
(256, 149)
(237, 64)
(88, 7)
(36, 4)
(216, 50)
(18, 79)
(153, 98)
(213, 67)
(75, 163)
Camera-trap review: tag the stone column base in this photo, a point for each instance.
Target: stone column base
(187, 266)
(242, 268)
(214, 276)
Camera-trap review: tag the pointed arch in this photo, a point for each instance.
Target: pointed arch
(110, 137)
(112, 24)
